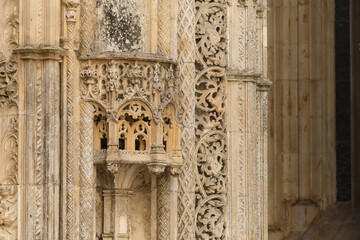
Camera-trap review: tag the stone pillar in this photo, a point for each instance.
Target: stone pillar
(70, 144)
(122, 214)
(39, 100)
(355, 102)
(108, 213)
(163, 206)
(247, 86)
(173, 202)
(41, 124)
(302, 113)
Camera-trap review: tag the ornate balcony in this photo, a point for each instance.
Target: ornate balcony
(137, 119)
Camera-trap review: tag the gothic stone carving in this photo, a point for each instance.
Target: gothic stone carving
(211, 149)
(210, 34)
(9, 180)
(141, 123)
(186, 59)
(8, 82)
(211, 146)
(112, 83)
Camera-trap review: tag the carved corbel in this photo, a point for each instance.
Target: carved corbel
(158, 162)
(113, 167)
(89, 74)
(175, 171)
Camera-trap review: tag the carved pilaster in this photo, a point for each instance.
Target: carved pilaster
(211, 152)
(211, 141)
(163, 206)
(71, 143)
(88, 25)
(9, 181)
(186, 59)
(40, 99)
(247, 154)
(10, 201)
(87, 174)
(164, 27)
(263, 89)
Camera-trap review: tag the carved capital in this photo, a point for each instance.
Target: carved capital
(71, 15)
(264, 84)
(41, 53)
(113, 167)
(156, 168)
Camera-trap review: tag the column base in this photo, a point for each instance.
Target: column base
(303, 214)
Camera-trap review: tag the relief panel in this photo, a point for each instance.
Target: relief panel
(211, 140)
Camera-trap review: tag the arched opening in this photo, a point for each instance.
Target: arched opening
(101, 130)
(134, 127)
(140, 143)
(170, 129)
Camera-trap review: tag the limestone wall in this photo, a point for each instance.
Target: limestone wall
(302, 118)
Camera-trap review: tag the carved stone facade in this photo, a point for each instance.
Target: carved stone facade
(134, 119)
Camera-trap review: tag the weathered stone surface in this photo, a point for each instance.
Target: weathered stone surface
(133, 119)
(120, 25)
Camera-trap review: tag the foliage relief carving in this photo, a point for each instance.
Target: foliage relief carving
(211, 146)
(9, 179)
(210, 34)
(8, 82)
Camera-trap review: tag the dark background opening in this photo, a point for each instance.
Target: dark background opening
(343, 111)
